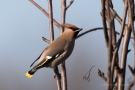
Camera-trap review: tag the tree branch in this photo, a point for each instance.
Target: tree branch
(51, 20)
(40, 8)
(109, 79)
(101, 74)
(94, 29)
(71, 2)
(46, 40)
(58, 80)
(123, 25)
(116, 15)
(104, 23)
(130, 85)
(63, 65)
(121, 79)
(131, 70)
(86, 32)
(112, 22)
(131, 11)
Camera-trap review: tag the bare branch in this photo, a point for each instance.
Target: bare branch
(40, 8)
(86, 32)
(121, 80)
(46, 40)
(130, 85)
(104, 23)
(131, 11)
(123, 25)
(58, 81)
(63, 7)
(51, 20)
(63, 67)
(109, 75)
(131, 70)
(101, 74)
(58, 78)
(116, 15)
(115, 53)
(71, 2)
(111, 22)
(94, 29)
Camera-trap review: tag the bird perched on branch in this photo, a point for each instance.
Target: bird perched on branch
(57, 51)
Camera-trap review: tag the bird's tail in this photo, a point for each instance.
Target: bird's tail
(30, 73)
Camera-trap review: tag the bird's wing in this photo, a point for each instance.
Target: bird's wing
(52, 51)
(37, 58)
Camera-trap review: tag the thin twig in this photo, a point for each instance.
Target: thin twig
(115, 53)
(124, 54)
(109, 75)
(101, 74)
(86, 32)
(113, 15)
(104, 23)
(63, 7)
(131, 11)
(112, 22)
(133, 73)
(130, 85)
(116, 15)
(58, 81)
(94, 29)
(123, 25)
(71, 2)
(120, 38)
(63, 65)
(131, 70)
(40, 8)
(46, 40)
(121, 77)
(58, 78)
(51, 20)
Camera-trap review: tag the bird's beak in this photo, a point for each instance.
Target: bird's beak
(80, 29)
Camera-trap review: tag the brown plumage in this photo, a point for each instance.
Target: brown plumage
(69, 26)
(58, 50)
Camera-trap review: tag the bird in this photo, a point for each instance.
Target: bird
(57, 51)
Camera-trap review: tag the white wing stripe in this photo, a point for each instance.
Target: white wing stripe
(48, 57)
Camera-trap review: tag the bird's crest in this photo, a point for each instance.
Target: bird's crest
(69, 26)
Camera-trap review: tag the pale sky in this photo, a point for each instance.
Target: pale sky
(21, 27)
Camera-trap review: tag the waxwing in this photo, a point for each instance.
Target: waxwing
(58, 50)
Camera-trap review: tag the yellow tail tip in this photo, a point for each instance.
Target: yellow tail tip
(28, 75)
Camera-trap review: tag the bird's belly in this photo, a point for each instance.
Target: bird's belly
(62, 57)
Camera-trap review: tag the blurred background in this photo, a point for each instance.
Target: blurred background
(21, 27)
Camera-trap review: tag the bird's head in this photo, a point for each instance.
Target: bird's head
(71, 28)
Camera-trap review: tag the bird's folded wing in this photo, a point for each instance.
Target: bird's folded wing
(55, 49)
(37, 58)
